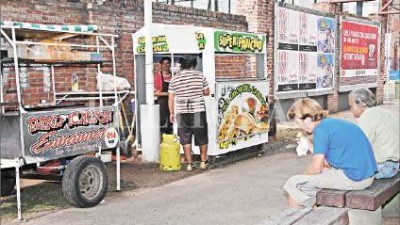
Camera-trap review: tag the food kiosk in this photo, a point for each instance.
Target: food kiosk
(234, 64)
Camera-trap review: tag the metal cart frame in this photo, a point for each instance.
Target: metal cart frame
(20, 157)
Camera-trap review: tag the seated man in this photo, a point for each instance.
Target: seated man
(381, 128)
(351, 159)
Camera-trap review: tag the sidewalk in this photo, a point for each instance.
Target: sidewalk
(137, 176)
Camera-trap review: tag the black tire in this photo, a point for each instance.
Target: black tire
(85, 182)
(7, 182)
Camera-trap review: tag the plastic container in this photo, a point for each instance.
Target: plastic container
(169, 153)
(75, 83)
(106, 156)
(397, 89)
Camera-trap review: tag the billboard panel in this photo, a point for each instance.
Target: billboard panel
(360, 50)
(305, 51)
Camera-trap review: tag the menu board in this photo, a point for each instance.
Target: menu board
(305, 51)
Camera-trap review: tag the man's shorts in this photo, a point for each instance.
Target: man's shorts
(192, 124)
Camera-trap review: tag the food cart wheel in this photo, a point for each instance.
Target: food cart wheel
(85, 182)
(7, 181)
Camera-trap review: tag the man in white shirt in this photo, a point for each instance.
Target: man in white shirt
(382, 129)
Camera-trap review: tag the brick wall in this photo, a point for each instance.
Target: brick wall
(260, 17)
(235, 66)
(122, 18)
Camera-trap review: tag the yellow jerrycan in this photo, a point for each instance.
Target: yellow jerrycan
(169, 153)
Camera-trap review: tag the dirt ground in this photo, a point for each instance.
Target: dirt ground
(136, 174)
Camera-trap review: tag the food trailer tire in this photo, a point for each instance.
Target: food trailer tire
(7, 182)
(85, 182)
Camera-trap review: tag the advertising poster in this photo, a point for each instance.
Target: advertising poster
(305, 50)
(325, 70)
(288, 29)
(307, 70)
(308, 29)
(283, 23)
(294, 27)
(288, 70)
(326, 35)
(243, 114)
(360, 49)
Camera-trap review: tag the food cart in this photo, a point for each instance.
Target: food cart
(71, 120)
(234, 64)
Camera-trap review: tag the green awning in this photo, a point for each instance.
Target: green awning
(50, 27)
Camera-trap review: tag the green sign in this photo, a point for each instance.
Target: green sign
(238, 42)
(159, 44)
(201, 41)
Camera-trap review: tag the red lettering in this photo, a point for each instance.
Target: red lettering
(85, 118)
(49, 140)
(44, 123)
(111, 135)
(92, 118)
(43, 144)
(33, 124)
(74, 120)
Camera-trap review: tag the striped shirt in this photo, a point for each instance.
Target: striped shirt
(188, 86)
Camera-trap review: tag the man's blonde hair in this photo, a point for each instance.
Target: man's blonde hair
(306, 107)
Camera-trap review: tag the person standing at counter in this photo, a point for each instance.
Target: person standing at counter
(187, 89)
(161, 85)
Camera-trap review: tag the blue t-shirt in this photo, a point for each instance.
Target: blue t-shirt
(345, 147)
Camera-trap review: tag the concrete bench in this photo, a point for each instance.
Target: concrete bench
(309, 216)
(365, 206)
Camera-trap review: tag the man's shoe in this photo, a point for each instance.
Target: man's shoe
(189, 167)
(203, 165)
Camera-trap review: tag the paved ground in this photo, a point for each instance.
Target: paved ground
(246, 192)
(242, 193)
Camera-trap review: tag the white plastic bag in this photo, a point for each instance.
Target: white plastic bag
(302, 148)
(106, 82)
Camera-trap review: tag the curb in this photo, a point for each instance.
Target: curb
(266, 149)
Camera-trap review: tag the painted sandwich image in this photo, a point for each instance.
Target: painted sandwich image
(244, 119)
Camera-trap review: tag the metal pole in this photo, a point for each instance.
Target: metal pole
(18, 187)
(148, 14)
(150, 112)
(118, 152)
(16, 66)
(98, 73)
(359, 8)
(53, 85)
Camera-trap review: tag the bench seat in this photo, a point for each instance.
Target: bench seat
(364, 206)
(371, 198)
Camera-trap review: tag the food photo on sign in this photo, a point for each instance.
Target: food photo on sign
(326, 35)
(325, 70)
(242, 113)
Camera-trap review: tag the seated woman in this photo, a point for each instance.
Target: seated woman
(341, 144)
(381, 128)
